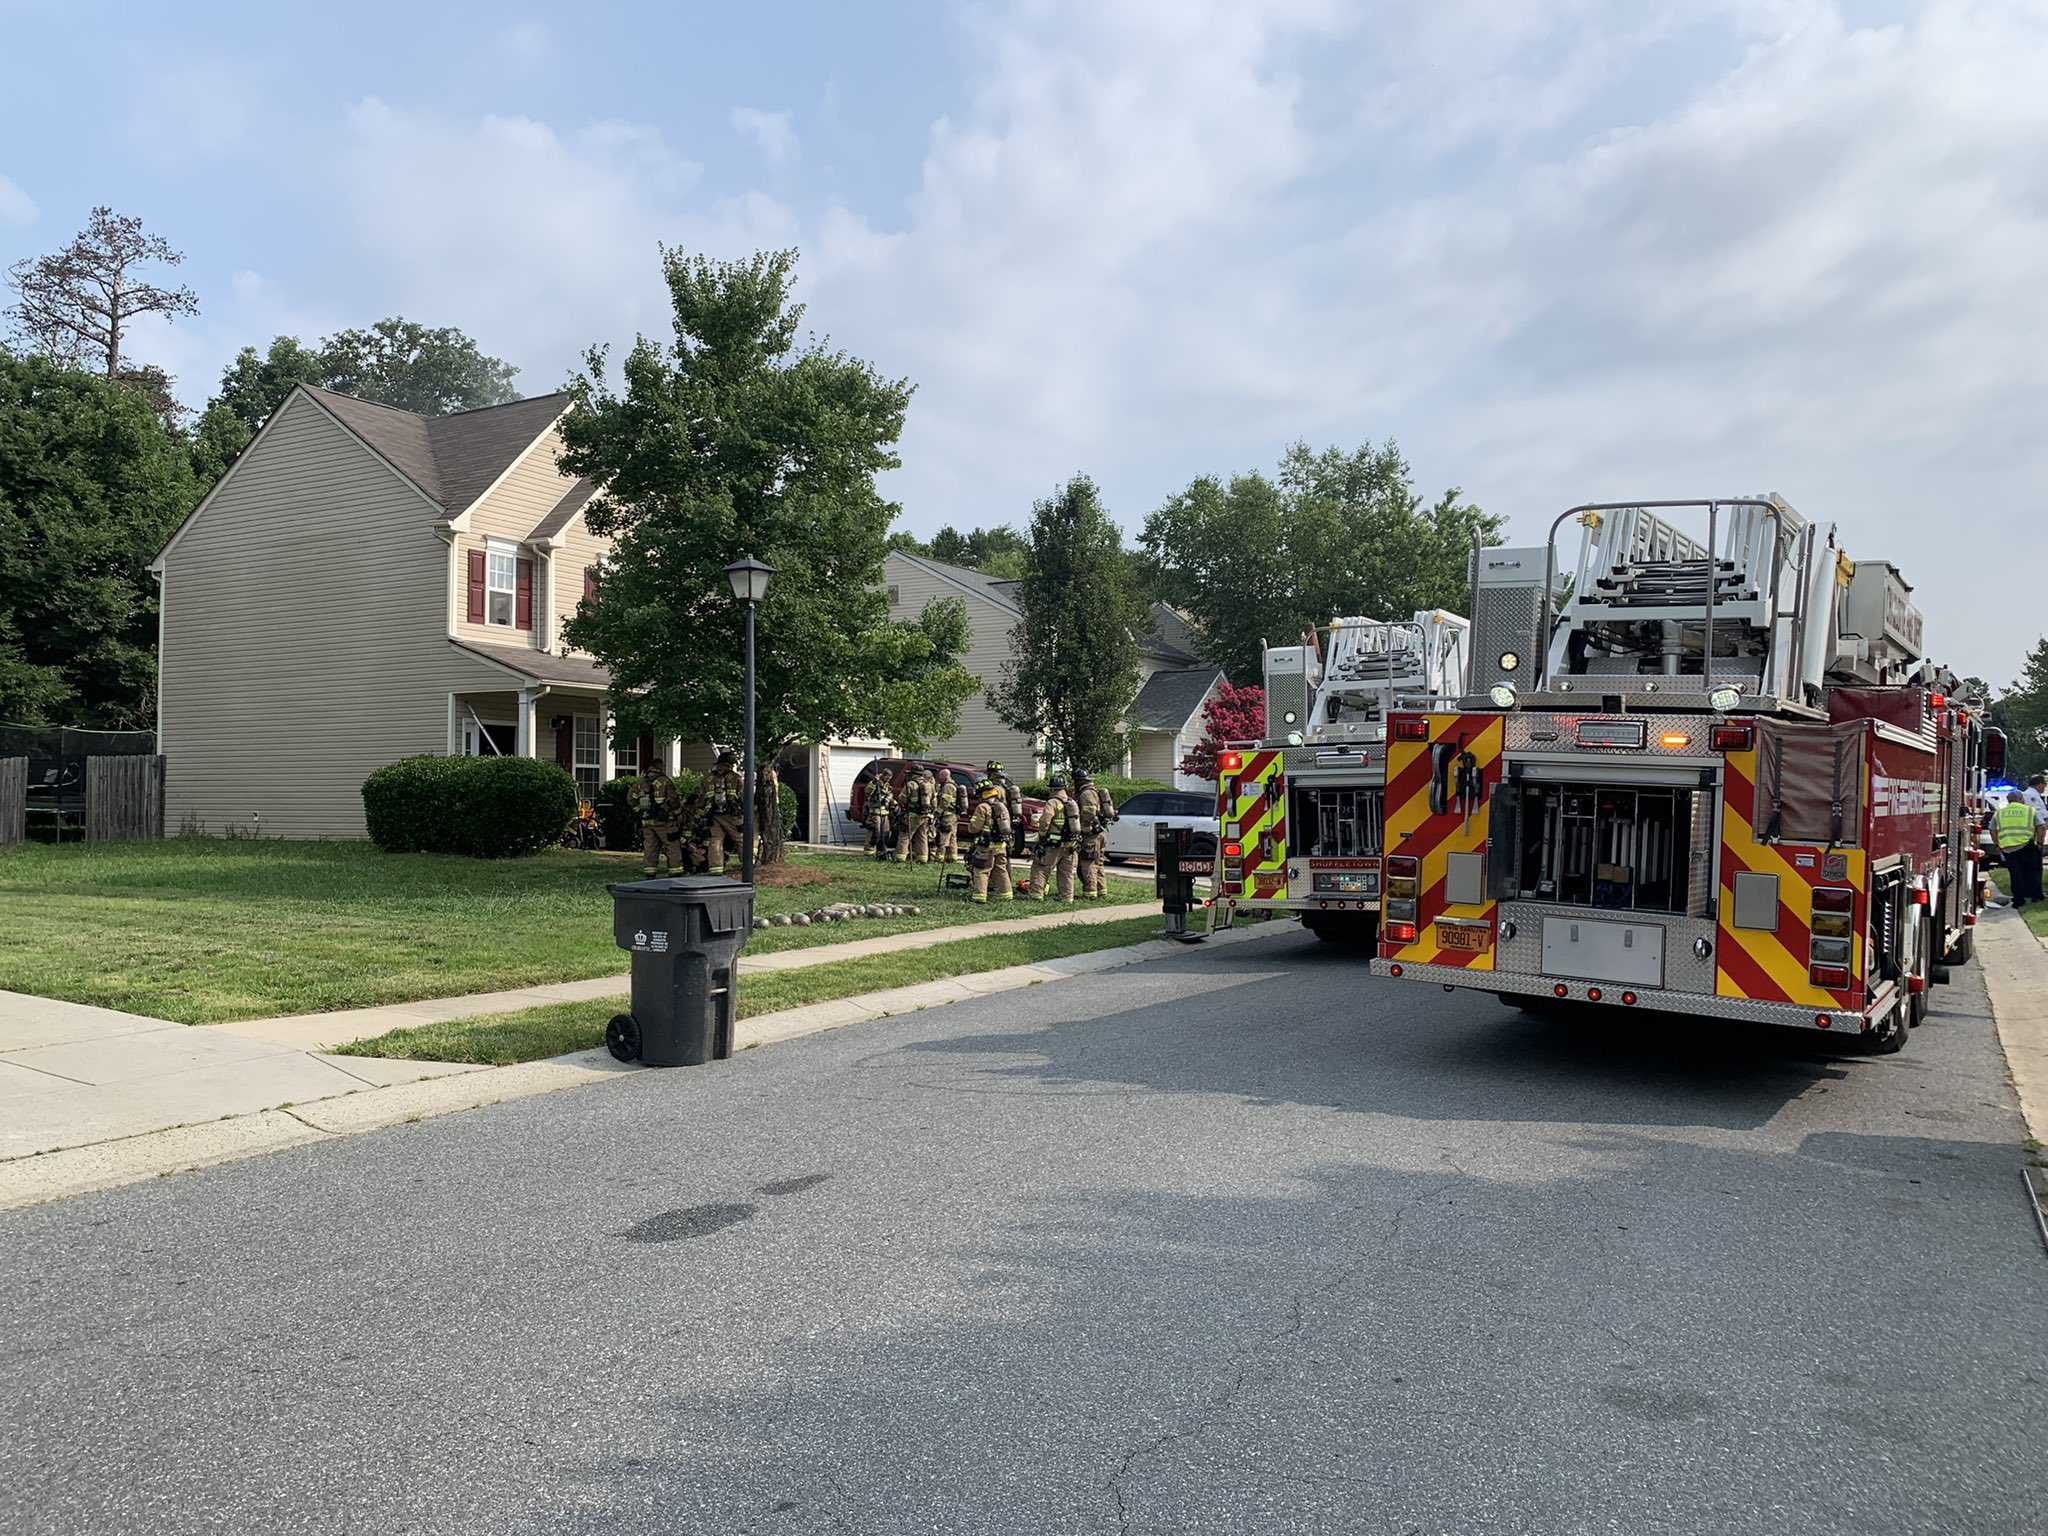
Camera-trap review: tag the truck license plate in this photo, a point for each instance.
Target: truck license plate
(1461, 936)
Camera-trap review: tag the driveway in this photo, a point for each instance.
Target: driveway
(1242, 1241)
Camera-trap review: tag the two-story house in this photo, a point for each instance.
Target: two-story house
(1165, 719)
(365, 584)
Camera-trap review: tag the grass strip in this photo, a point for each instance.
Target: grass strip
(501, 1039)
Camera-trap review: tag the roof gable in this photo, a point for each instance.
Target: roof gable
(1169, 699)
(451, 459)
(988, 588)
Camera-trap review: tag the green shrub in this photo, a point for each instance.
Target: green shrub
(485, 807)
(1120, 789)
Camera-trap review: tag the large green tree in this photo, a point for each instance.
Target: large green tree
(1257, 559)
(2022, 713)
(430, 370)
(1073, 667)
(91, 485)
(732, 440)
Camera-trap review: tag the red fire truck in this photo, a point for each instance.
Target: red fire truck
(1722, 782)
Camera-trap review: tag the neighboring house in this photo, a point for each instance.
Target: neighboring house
(365, 584)
(1165, 718)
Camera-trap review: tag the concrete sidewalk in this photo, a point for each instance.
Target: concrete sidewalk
(112, 1155)
(322, 1031)
(2016, 976)
(71, 1074)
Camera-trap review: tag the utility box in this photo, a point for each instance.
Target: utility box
(685, 936)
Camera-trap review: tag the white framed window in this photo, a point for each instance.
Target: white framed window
(501, 605)
(626, 756)
(589, 755)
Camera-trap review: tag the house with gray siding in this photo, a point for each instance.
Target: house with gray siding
(1165, 719)
(366, 584)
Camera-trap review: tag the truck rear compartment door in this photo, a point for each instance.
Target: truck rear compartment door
(1591, 949)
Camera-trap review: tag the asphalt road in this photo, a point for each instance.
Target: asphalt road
(1239, 1242)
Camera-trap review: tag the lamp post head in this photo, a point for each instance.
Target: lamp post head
(749, 578)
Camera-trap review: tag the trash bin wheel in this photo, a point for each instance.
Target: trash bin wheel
(622, 1037)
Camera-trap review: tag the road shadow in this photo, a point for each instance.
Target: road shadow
(1307, 1025)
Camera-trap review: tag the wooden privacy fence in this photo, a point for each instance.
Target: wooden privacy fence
(124, 798)
(13, 800)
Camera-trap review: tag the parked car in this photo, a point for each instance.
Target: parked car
(898, 769)
(1139, 817)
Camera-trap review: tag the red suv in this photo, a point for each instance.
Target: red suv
(899, 769)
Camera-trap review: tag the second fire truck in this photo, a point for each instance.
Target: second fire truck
(1719, 780)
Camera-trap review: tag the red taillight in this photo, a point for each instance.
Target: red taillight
(1401, 933)
(1938, 700)
(1561, 990)
(1969, 919)
(1233, 850)
(1404, 866)
(1832, 977)
(1230, 762)
(1916, 983)
(1732, 738)
(1920, 896)
(1393, 970)
(1833, 898)
(1629, 998)
(1822, 1021)
(1411, 730)
(1592, 994)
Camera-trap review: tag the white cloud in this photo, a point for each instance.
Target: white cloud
(17, 209)
(773, 133)
(1603, 248)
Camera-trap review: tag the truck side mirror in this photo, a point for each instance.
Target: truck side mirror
(1994, 753)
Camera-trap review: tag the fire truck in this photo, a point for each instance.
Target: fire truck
(1712, 779)
(1299, 810)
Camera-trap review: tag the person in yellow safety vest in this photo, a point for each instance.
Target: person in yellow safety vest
(2017, 829)
(988, 848)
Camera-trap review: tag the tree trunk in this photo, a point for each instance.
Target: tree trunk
(768, 813)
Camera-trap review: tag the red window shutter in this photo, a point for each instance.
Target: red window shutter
(646, 754)
(523, 605)
(565, 744)
(476, 586)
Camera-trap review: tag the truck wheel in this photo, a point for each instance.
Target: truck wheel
(1889, 1037)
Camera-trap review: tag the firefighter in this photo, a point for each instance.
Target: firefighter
(913, 840)
(695, 833)
(727, 792)
(2017, 829)
(1013, 800)
(660, 805)
(988, 845)
(1058, 843)
(950, 806)
(881, 813)
(1098, 814)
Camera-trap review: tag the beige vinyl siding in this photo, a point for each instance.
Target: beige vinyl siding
(981, 735)
(509, 512)
(581, 549)
(304, 637)
(1153, 755)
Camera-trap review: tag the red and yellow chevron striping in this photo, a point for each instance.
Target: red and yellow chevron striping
(1421, 776)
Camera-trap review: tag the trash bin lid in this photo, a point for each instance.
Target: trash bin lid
(687, 887)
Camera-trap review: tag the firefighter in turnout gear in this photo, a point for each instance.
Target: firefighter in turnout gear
(1097, 813)
(728, 792)
(1058, 843)
(660, 805)
(881, 814)
(913, 842)
(988, 845)
(1013, 801)
(950, 808)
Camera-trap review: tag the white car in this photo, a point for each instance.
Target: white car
(1130, 837)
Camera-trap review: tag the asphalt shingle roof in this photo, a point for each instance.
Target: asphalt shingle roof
(559, 515)
(1169, 698)
(453, 459)
(543, 666)
(1171, 637)
(995, 590)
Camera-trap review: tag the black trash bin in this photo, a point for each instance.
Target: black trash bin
(685, 936)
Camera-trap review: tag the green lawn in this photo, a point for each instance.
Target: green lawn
(2036, 913)
(203, 930)
(501, 1039)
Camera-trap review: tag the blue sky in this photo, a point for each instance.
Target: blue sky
(1589, 249)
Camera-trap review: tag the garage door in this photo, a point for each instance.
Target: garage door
(845, 766)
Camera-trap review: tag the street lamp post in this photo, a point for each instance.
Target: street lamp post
(749, 578)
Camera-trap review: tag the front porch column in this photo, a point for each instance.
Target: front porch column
(609, 763)
(672, 758)
(455, 725)
(523, 740)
